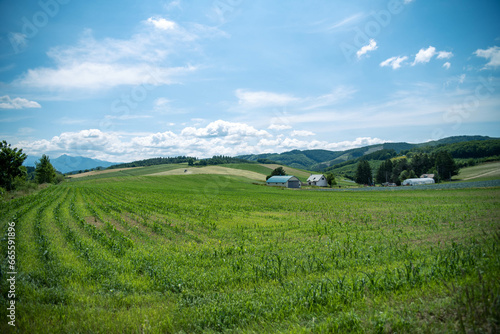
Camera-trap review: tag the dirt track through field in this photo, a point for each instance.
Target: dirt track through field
(218, 170)
(98, 172)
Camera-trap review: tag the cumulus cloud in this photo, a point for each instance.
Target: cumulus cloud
(444, 55)
(17, 103)
(394, 62)
(425, 55)
(447, 65)
(218, 137)
(222, 128)
(492, 54)
(92, 143)
(162, 24)
(370, 47)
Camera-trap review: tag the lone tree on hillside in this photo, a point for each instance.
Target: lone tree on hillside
(11, 165)
(45, 172)
(276, 171)
(363, 173)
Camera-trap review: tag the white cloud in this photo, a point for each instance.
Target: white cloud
(408, 1)
(444, 55)
(218, 137)
(96, 76)
(302, 133)
(92, 143)
(222, 128)
(260, 99)
(279, 127)
(17, 103)
(370, 47)
(492, 54)
(394, 62)
(162, 24)
(447, 65)
(425, 55)
(143, 59)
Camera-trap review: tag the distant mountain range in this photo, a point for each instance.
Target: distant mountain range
(66, 163)
(321, 159)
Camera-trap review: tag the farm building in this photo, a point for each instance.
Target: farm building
(317, 180)
(415, 182)
(288, 181)
(427, 175)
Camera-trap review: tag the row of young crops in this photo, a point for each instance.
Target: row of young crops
(212, 253)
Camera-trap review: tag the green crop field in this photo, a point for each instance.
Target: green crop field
(132, 253)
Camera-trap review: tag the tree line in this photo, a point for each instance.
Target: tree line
(14, 176)
(440, 163)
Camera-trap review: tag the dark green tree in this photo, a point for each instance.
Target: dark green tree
(421, 163)
(45, 172)
(445, 165)
(11, 161)
(363, 173)
(397, 167)
(384, 172)
(277, 171)
(330, 178)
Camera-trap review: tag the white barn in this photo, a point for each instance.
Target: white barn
(317, 180)
(288, 181)
(415, 182)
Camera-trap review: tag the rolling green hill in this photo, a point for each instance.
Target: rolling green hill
(319, 160)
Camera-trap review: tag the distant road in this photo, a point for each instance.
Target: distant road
(449, 185)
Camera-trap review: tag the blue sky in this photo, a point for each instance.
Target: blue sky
(126, 80)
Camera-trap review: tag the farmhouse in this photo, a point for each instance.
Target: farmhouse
(414, 182)
(317, 180)
(288, 181)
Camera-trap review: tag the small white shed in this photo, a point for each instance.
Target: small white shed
(317, 180)
(415, 182)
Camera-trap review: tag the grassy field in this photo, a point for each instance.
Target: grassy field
(482, 172)
(131, 253)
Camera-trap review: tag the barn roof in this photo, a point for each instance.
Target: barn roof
(279, 178)
(315, 177)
